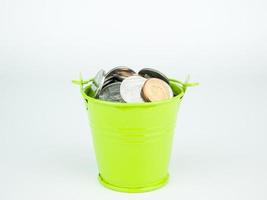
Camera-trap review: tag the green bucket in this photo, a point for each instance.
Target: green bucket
(133, 141)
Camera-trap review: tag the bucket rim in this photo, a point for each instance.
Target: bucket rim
(139, 104)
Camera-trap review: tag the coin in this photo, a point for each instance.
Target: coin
(98, 82)
(121, 72)
(155, 89)
(117, 74)
(131, 87)
(109, 81)
(111, 93)
(152, 73)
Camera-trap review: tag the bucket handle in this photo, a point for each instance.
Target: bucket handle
(186, 84)
(183, 85)
(81, 82)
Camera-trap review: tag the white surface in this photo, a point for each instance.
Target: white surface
(219, 147)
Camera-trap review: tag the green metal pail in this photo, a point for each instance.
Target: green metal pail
(133, 141)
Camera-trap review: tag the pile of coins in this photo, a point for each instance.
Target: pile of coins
(122, 84)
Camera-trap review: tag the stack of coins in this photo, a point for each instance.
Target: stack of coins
(122, 84)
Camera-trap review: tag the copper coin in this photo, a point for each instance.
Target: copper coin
(155, 89)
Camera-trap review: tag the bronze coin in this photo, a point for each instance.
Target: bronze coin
(155, 89)
(143, 96)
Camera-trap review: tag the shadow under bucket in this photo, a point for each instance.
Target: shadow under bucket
(133, 141)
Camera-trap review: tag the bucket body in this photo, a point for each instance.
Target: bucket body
(133, 141)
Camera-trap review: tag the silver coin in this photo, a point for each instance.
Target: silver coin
(119, 77)
(111, 93)
(108, 78)
(131, 88)
(112, 79)
(117, 74)
(98, 82)
(152, 73)
(108, 81)
(121, 72)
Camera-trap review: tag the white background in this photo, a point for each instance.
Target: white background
(219, 147)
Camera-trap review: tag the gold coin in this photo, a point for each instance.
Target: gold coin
(155, 89)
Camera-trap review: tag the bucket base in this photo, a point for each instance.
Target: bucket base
(154, 186)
